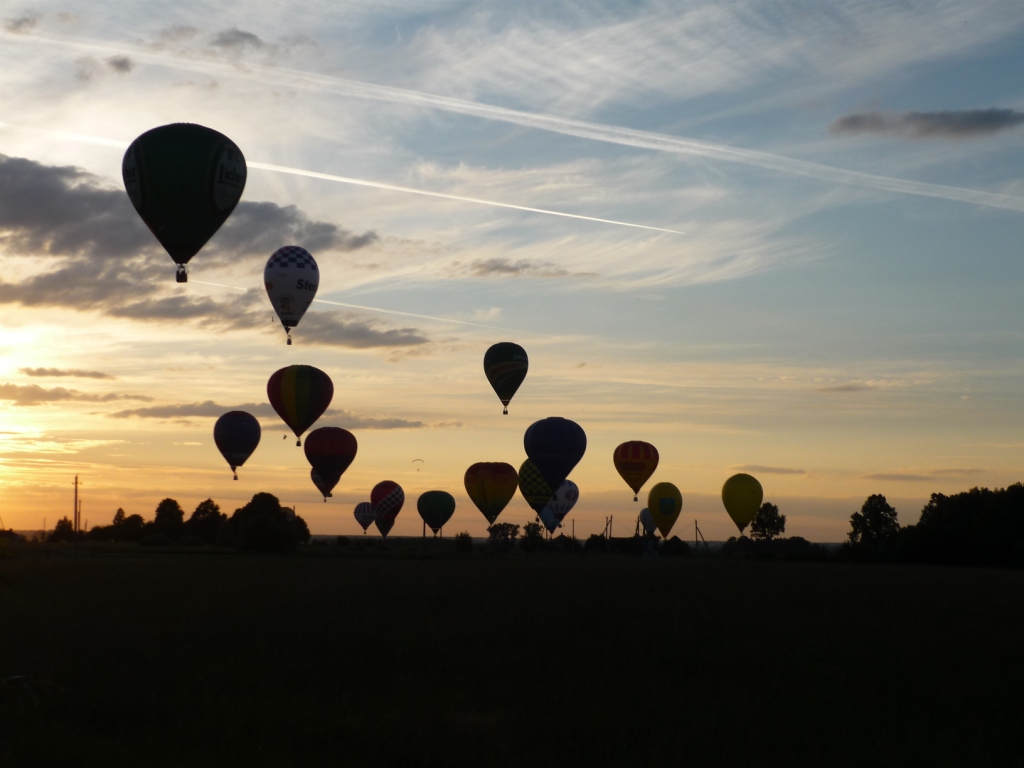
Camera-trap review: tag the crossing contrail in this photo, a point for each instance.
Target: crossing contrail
(567, 126)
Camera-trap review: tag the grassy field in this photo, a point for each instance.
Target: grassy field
(344, 657)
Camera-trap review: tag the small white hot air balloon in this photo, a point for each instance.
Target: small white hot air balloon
(647, 521)
(291, 278)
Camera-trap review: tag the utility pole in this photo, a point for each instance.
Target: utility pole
(76, 508)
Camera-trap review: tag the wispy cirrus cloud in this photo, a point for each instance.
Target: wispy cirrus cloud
(60, 372)
(33, 394)
(770, 470)
(960, 124)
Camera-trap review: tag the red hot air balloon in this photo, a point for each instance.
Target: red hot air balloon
(330, 451)
(636, 461)
(300, 394)
(387, 498)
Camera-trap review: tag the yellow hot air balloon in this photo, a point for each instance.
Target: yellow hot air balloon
(665, 503)
(742, 496)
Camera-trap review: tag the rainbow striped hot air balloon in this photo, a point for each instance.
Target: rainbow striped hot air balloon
(300, 394)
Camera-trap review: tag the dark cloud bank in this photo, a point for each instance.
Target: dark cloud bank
(209, 409)
(104, 259)
(962, 124)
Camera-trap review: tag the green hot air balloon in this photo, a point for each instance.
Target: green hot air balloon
(436, 508)
(505, 366)
(742, 496)
(184, 180)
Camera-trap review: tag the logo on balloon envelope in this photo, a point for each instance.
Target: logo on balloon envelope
(229, 178)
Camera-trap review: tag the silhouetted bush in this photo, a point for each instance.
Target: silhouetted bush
(64, 530)
(501, 535)
(123, 528)
(263, 525)
(463, 542)
(533, 537)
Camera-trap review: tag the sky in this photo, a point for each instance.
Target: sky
(780, 238)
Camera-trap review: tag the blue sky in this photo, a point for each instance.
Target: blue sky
(836, 304)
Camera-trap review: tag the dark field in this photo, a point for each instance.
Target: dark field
(341, 658)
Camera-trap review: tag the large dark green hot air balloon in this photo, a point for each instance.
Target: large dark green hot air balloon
(300, 394)
(505, 366)
(436, 508)
(184, 180)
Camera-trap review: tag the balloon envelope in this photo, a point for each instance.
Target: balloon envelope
(236, 434)
(387, 498)
(436, 508)
(742, 496)
(635, 462)
(560, 504)
(505, 366)
(535, 489)
(322, 485)
(647, 521)
(330, 451)
(555, 445)
(665, 502)
(184, 180)
(300, 394)
(491, 486)
(364, 514)
(291, 278)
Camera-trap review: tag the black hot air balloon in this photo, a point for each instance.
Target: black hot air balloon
(236, 434)
(184, 180)
(505, 366)
(555, 445)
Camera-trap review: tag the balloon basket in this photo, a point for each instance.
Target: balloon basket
(505, 412)
(298, 442)
(182, 275)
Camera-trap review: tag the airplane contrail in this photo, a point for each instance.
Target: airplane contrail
(386, 311)
(358, 182)
(552, 123)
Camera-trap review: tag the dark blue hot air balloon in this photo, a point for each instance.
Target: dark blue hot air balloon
(555, 445)
(236, 434)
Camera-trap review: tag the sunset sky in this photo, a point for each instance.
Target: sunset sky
(794, 248)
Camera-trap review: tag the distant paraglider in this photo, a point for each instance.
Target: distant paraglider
(415, 461)
(665, 502)
(436, 508)
(555, 445)
(742, 496)
(291, 278)
(184, 180)
(387, 498)
(491, 486)
(635, 462)
(364, 514)
(560, 504)
(300, 394)
(330, 451)
(505, 366)
(236, 434)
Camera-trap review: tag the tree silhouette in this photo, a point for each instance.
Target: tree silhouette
(875, 522)
(263, 525)
(503, 534)
(768, 523)
(63, 531)
(206, 522)
(533, 537)
(170, 518)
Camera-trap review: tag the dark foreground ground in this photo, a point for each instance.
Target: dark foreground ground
(219, 659)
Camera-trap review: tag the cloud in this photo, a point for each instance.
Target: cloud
(33, 394)
(899, 477)
(237, 40)
(75, 372)
(21, 24)
(176, 33)
(212, 410)
(843, 388)
(961, 124)
(121, 64)
(957, 472)
(505, 267)
(340, 329)
(768, 470)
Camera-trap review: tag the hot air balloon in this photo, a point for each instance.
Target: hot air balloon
(436, 508)
(665, 502)
(236, 434)
(555, 445)
(742, 496)
(330, 450)
(364, 514)
(184, 180)
(558, 507)
(505, 366)
(322, 485)
(491, 485)
(647, 521)
(387, 498)
(535, 489)
(636, 461)
(300, 394)
(291, 278)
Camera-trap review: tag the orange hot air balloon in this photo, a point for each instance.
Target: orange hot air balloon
(491, 485)
(636, 461)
